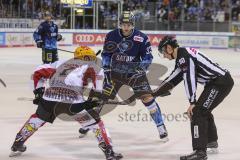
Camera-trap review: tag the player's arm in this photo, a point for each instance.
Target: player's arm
(106, 54)
(190, 80)
(106, 58)
(59, 36)
(146, 54)
(99, 81)
(106, 65)
(96, 91)
(37, 36)
(170, 82)
(42, 73)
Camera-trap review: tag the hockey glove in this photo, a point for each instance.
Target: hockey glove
(87, 105)
(108, 86)
(59, 37)
(139, 72)
(38, 95)
(39, 44)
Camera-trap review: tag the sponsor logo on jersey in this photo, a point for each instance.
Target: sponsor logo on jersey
(124, 58)
(138, 38)
(125, 46)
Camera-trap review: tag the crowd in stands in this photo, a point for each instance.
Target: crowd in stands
(29, 8)
(164, 10)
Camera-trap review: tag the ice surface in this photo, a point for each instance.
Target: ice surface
(134, 136)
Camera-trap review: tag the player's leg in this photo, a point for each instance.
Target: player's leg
(202, 125)
(54, 56)
(43, 114)
(104, 141)
(83, 131)
(225, 85)
(28, 129)
(156, 115)
(47, 56)
(212, 144)
(117, 85)
(142, 88)
(90, 119)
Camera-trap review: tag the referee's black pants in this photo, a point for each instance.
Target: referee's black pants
(203, 128)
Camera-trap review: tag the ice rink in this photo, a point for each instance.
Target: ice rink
(133, 134)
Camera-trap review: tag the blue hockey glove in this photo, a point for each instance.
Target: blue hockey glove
(108, 85)
(139, 72)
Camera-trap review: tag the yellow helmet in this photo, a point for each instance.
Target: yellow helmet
(85, 53)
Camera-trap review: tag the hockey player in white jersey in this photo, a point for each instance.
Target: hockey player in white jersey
(64, 95)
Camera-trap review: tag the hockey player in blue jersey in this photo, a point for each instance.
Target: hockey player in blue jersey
(46, 37)
(126, 56)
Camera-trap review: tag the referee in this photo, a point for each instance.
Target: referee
(193, 67)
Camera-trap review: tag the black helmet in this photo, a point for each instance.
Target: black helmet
(127, 17)
(167, 40)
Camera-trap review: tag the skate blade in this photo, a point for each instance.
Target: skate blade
(82, 135)
(164, 140)
(15, 154)
(212, 151)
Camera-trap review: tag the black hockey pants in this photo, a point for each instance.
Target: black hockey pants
(49, 56)
(203, 127)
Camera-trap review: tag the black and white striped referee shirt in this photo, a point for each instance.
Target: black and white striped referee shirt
(193, 66)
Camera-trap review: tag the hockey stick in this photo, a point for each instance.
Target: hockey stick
(98, 52)
(24, 99)
(162, 91)
(3, 83)
(125, 102)
(102, 102)
(65, 50)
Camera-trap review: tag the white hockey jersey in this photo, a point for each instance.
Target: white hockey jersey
(67, 80)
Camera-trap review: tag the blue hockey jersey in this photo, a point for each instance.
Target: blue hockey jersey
(47, 32)
(135, 48)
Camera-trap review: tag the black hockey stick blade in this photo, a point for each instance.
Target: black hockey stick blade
(3, 83)
(65, 50)
(163, 90)
(98, 52)
(124, 102)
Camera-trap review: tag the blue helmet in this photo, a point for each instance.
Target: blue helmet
(127, 17)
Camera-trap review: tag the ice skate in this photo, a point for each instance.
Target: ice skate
(196, 155)
(17, 149)
(109, 153)
(83, 132)
(163, 133)
(212, 147)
